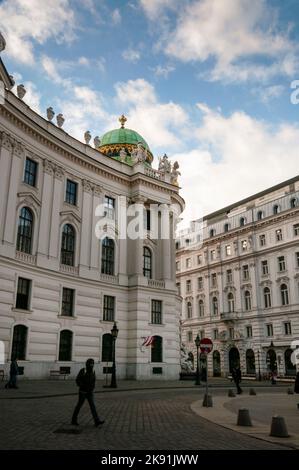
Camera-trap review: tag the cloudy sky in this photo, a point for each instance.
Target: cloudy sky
(206, 81)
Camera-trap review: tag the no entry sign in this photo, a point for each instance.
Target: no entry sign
(206, 345)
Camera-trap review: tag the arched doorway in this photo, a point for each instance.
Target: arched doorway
(216, 364)
(290, 368)
(234, 358)
(250, 362)
(271, 360)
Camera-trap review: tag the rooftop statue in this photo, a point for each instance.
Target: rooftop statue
(139, 154)
(164, 164)
(60, 120)
(21, 91)
(50, 113)
(122, 155)
(96, 142)
(87, 137)
(175, 173)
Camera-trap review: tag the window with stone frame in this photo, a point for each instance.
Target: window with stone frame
(109, 308)
(265, 268)
(156, 312)
(281, 264)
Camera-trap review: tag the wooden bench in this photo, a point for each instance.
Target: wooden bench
(56, 374)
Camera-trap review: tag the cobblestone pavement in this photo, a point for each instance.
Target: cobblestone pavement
(144, 419)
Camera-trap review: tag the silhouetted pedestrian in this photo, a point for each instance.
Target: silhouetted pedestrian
(86, 380)
(13, 373)
(237, 377)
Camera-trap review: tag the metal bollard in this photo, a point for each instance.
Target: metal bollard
(207, 401)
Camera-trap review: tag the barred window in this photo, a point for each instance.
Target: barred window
(67, 302)
(71, 192)
(109, 308)
(19, 342)
(108, 249)
(109, 207)
(147, 262)
(157, 312)
(30, 172)
(65, 345)
(25, 230)
(68, 245)
(23, 293)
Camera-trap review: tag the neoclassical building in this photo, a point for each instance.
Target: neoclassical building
(65, 279)
(238, 274)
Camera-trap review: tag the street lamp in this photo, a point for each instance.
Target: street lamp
(114, 333)
(197, 344)
(259, 364)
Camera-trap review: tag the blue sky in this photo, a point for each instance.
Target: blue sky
(206, 81)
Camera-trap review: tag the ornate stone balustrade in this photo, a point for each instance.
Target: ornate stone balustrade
(155, 283)
(25, 257)
(64, 268)
(109, 278)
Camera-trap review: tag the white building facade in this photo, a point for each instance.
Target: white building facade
(61, 288)
(238, 275)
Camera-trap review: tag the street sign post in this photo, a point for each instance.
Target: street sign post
(206, 346)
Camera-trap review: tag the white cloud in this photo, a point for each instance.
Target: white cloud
(236, 156)
(233, 33)
(116, 16)
(159, 123)
(25, 23)
(266, 94)
(155, 8)
(161, 71)
(131, 55)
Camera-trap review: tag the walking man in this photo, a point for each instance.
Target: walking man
(237, 377)
(86, 380)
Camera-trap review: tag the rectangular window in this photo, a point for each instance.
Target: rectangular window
(262, 240)
(244, 245)
(190, 336)
(231, 332)
(213, 255)
(178, 286)
(228, 250)
(249, 331)
(199, 283)
(109, 308)
(71, 192)
(229, 276)
(245, 270)
(269, 329)
(188, 263)
(109, 204)
(287, 328)
(214, 280)
(215, 334)
(23, 293)
(188, 286)
(202, 334)
(199, 259)
(147, 219)
(296, 230)
(67, 308)
(30, 173)
(297, 259)
(278, 235)
(157, 312)
(265, 268)
(281, 264)
(177, 265)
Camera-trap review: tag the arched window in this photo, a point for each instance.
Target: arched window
(68, 245)
(147, 262)
(267, 297)
(212, 232)
(242, 221)
(201, 308)
(108, 249)
(275, 209)
(65, 345)
(259, 215)
(157, 349)
(215, 305)
(247, 296)
(107, 348)
(293, 202)
(226, 227)
(189, 310)
(231, 302)
(284, 294)
(25, 230)
(19, 342)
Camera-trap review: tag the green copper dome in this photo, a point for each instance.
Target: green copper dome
(122, 136)
(115, 142)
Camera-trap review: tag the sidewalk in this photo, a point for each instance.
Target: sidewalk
(68, 387)
(262, 408)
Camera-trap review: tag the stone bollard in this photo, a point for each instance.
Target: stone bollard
(231, 393)
(207, 401)
(244, 417)
(278, 427)
(290, 391)
(252, 391)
